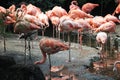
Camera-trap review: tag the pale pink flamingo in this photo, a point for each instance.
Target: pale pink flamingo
(108, 27)
(69, 25)
(116, 66)
(101, 39)
(43, 18)
(85, 26)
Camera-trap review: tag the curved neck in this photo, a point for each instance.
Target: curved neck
(43, 59)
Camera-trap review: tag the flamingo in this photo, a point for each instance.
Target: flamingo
(63, 18)
(113, 18)
(54, 15)
(69, 25)
(77, 13)
(23, 14)
(31, 9)
(107, 27)
(50, 46)
(55, 21)
(26, 23)
(74, 5)
(88, 7)
(85, 27)
(2, 12)
(7, 17)
(43, 18)
(115, 66)
(117, 10)
(101, 39)
(58, 11)
(96, 21)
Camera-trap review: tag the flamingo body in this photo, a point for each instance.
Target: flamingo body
(107, 27)
(110, 17)
(88, 7)
(50, 46)
(101, 37)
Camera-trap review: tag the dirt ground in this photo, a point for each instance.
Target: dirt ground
(74, 70)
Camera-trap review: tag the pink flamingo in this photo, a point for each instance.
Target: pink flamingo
(54, 15)
(69, 25)
(107, 27)
(8, 17)
(25, 24)
(50, 46)
(88, 7)
(43, 18)
(117, 10)
(74, 5)
(77, 13)
(113, 18)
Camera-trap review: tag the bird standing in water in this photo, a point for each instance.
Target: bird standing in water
(50, 46)
(101, 39)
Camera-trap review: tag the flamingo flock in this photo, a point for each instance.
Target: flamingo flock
(27, 18)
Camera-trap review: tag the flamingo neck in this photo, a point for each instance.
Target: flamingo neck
(43, 59)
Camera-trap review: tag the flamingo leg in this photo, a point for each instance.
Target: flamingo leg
(90, 38)
(53, 31)
(25, 59)
(103, 55)
(58, 33)
(4, 40)
(29, 49)
(4, 44)
(80, 40)
(32, 45)
(101, 52)
(49, 65)
(63, 36)
(78, 36)
(43, 32)
(69, 46)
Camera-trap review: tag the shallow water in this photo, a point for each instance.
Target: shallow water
(79, 58)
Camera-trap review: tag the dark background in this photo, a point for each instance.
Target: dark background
(106, 6)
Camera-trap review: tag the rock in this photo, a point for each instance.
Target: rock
(6, 61)
(25, 72)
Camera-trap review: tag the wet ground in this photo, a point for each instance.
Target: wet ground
(77, 69)
(74, 70)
